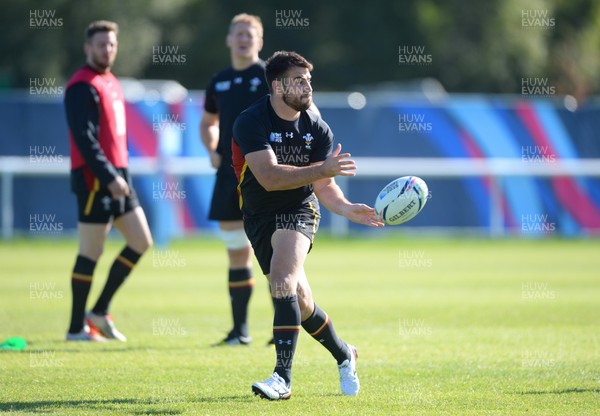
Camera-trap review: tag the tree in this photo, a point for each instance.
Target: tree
(468, 45)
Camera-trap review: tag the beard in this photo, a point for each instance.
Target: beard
(101, 63)
(296, 102)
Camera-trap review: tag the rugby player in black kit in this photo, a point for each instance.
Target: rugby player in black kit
(282, 156)
(229, 92)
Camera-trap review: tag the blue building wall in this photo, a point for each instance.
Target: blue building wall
(538, 130)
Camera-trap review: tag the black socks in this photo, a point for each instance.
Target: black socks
(119, 270)
(240, 290)
(320, 328)
(286, 326)
(81, 282)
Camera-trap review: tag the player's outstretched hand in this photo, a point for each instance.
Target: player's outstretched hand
(338, 164)
(363, 214)
(118, 188)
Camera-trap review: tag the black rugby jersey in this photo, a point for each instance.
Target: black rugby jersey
(229, 93)
(301, 142)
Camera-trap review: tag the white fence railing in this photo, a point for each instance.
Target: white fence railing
(368, 167)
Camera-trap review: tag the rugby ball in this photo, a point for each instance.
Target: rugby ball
(401, 200)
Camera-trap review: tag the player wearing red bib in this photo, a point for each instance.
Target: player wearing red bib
(95, 112)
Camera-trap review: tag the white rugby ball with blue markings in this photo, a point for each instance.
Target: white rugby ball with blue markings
(401, 200)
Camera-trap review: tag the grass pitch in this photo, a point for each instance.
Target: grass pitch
(443, 327)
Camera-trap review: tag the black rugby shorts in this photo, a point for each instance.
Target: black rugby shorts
(303, 219)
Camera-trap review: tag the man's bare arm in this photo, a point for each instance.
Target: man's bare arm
(275, 177)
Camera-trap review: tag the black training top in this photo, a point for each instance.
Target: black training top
(228, 94)
(306, 140)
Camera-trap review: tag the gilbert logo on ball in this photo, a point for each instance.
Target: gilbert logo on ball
(401, 200)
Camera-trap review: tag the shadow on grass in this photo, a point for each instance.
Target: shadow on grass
(240, 399)
(115, 405)
(144, 406)
(95, 347)
(148, 406)
(563, 391)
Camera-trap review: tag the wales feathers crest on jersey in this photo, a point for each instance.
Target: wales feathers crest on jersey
(226, 85)
(307, 140)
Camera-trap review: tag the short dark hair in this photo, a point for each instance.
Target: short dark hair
(278, 64)
(100, 26)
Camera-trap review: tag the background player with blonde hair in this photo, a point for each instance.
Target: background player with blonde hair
(231, 91)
